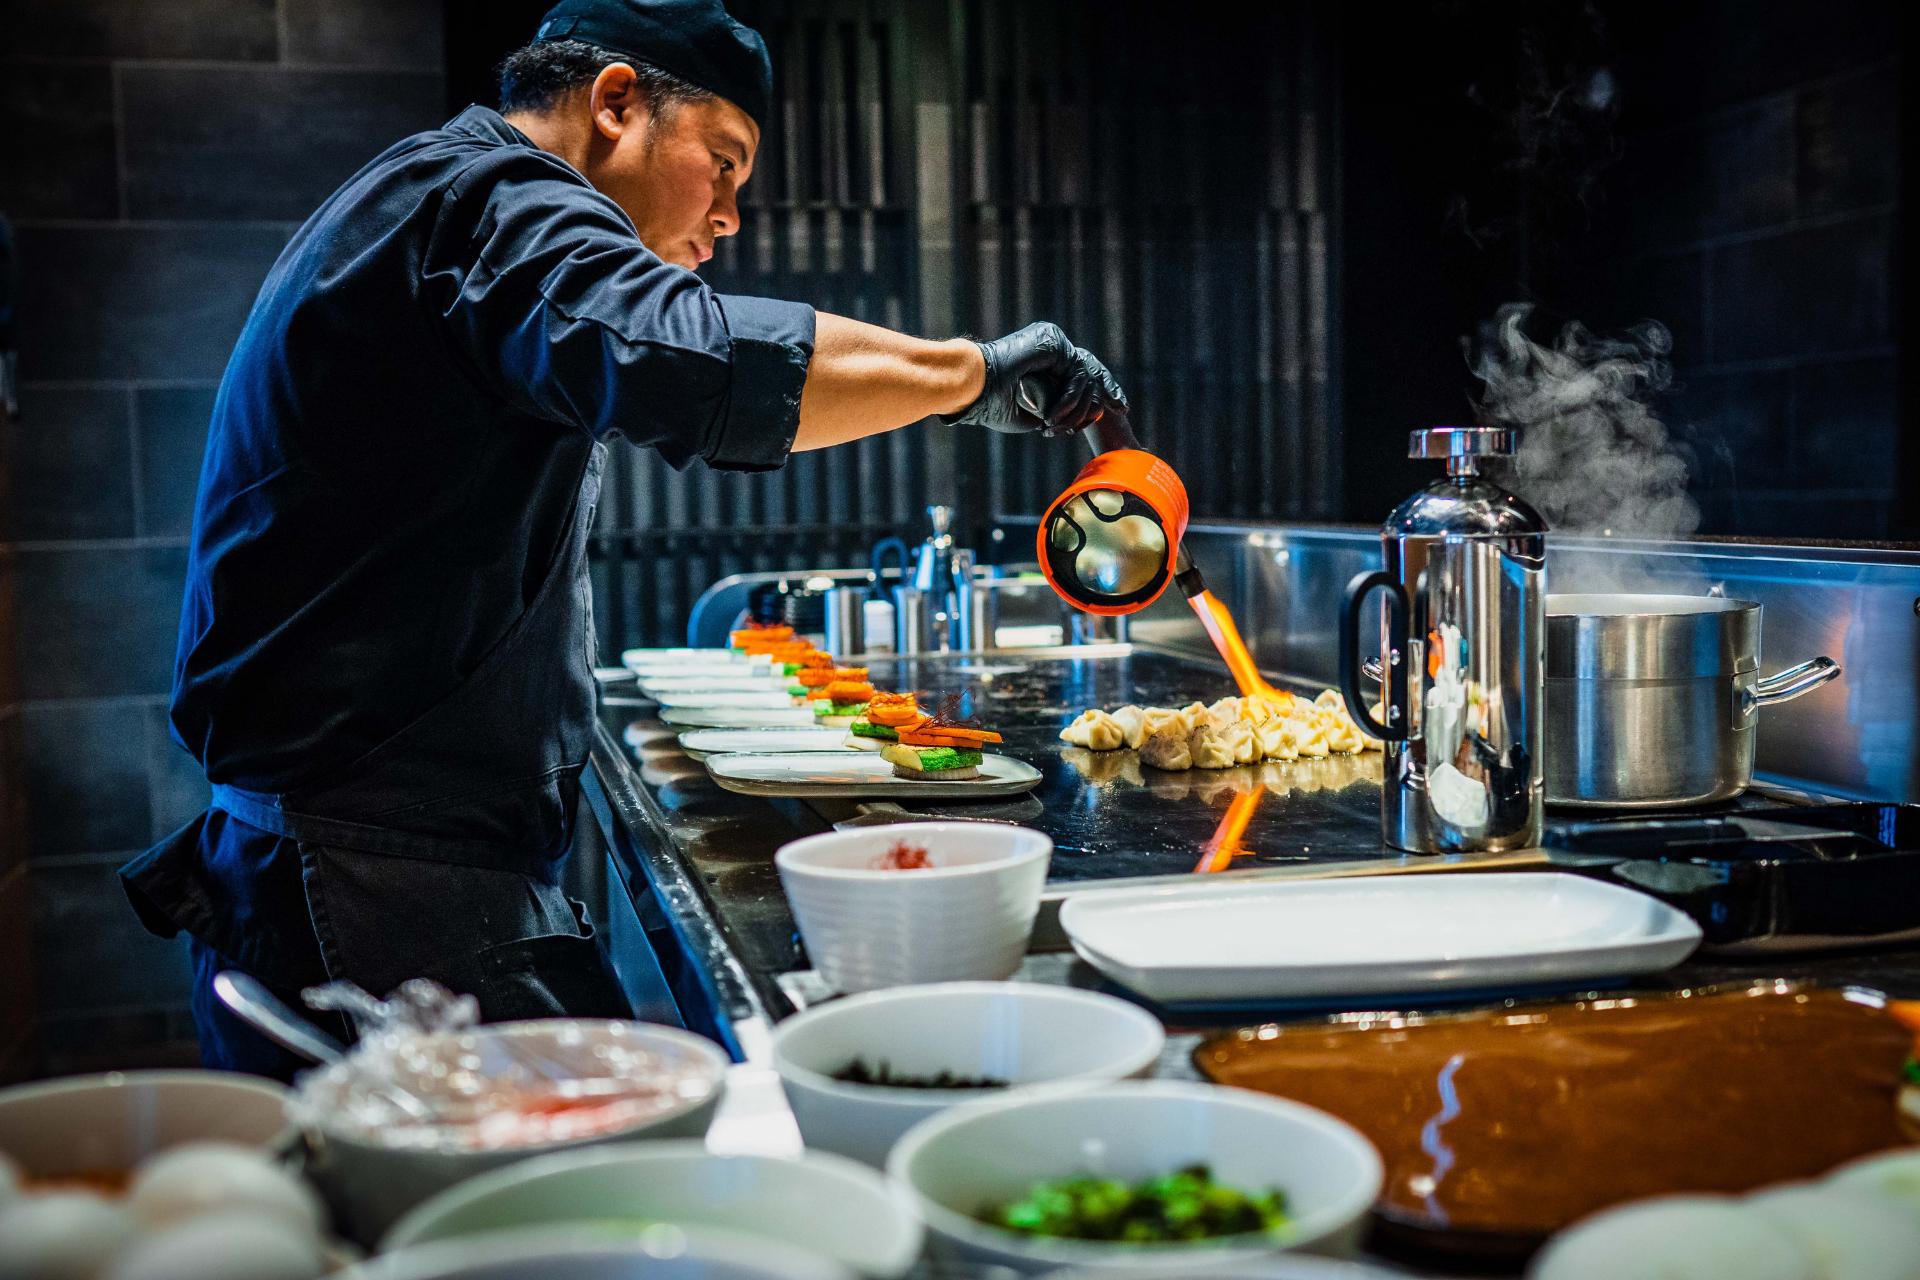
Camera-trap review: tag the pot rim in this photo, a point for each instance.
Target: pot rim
(1651, 637)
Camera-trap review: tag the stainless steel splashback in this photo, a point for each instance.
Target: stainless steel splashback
(1858, 606)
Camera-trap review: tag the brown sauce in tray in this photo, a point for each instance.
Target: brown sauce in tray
(1519, 1121)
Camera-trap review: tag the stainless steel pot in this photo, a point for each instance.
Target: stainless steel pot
(1652, 700)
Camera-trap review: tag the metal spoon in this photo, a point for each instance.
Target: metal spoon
(268, 1014)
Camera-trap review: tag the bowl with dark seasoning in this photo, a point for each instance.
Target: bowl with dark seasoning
(861, 1071)
(915, 902)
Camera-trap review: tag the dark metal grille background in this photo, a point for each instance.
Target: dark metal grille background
(1163, 190)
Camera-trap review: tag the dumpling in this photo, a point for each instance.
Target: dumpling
(1367, 741)
(1166, 748)
(1343, 735)
(1133, 725)
(1209, 749)
(1277, 739)
(1259, 710)
(1330, 700)
(1160, 719)
(1240, 740)
(1096, 731)
(1311, 739)
(1224, 712)
(1194, 714)
(1075, 734)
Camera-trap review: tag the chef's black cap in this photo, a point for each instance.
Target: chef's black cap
(694, 39)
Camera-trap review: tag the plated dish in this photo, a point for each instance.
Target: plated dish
(1213, 941)
(1502, 1126)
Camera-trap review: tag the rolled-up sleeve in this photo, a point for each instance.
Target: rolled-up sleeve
(551, 300)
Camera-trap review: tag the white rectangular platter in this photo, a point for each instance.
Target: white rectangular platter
(1372, 935)
(738, 717)
(766, 697)
(701, 743)
(855, 774)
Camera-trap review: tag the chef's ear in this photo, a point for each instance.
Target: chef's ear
(616, 102)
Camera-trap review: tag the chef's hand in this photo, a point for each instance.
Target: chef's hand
(1073, 389)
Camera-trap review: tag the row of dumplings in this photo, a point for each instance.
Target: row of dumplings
(1232, 731)
(1276, 778)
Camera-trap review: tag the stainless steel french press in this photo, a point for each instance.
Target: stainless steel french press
(1463, 646)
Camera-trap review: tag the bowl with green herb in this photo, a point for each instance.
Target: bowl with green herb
(862, 1070)
(1135, 1176)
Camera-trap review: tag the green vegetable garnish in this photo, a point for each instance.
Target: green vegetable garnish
(1911, 1070)
(1183, 1206)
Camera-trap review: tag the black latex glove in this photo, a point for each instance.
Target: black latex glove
(1073, 389)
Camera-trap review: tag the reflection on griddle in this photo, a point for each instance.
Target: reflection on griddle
(1241, 789)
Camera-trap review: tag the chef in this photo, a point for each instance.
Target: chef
(385, 654)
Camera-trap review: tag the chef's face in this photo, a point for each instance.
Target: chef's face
(677, 172)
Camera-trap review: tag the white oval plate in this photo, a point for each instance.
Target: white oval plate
(859, 773)
(765, 697)
(1373, 935)
(738, 717)
(704, 671)
(702, 743)
(756, 682)
(633, 659)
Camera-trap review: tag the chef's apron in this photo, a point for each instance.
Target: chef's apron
(438, 853)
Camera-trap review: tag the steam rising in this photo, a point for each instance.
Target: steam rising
(1593, 457)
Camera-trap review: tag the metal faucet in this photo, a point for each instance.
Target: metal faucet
(943, 585)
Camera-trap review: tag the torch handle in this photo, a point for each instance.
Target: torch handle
(1113, 431)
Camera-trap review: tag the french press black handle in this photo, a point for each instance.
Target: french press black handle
(1396, 673)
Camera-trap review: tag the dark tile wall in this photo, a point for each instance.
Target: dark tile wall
(1739, 170)
(154, 156)
(1757, 212)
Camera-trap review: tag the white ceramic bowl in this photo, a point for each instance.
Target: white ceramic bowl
(661, 1253)
(968, 917)
(1286, 1266)
(1894, 1173)
(115, 1121)
(1017, 1032)
(952, 1166)
(823, 1204)
(370, 1184)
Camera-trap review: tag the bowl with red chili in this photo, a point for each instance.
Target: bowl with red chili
(915, 902)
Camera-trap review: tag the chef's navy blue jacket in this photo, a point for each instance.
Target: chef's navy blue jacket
(403, 453)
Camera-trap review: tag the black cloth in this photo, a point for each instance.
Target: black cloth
(695, 40)
(387, 619)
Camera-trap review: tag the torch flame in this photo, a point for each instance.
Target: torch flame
(1226, 638)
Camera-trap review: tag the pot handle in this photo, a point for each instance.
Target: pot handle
(1395, 730)
(1785, 686)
